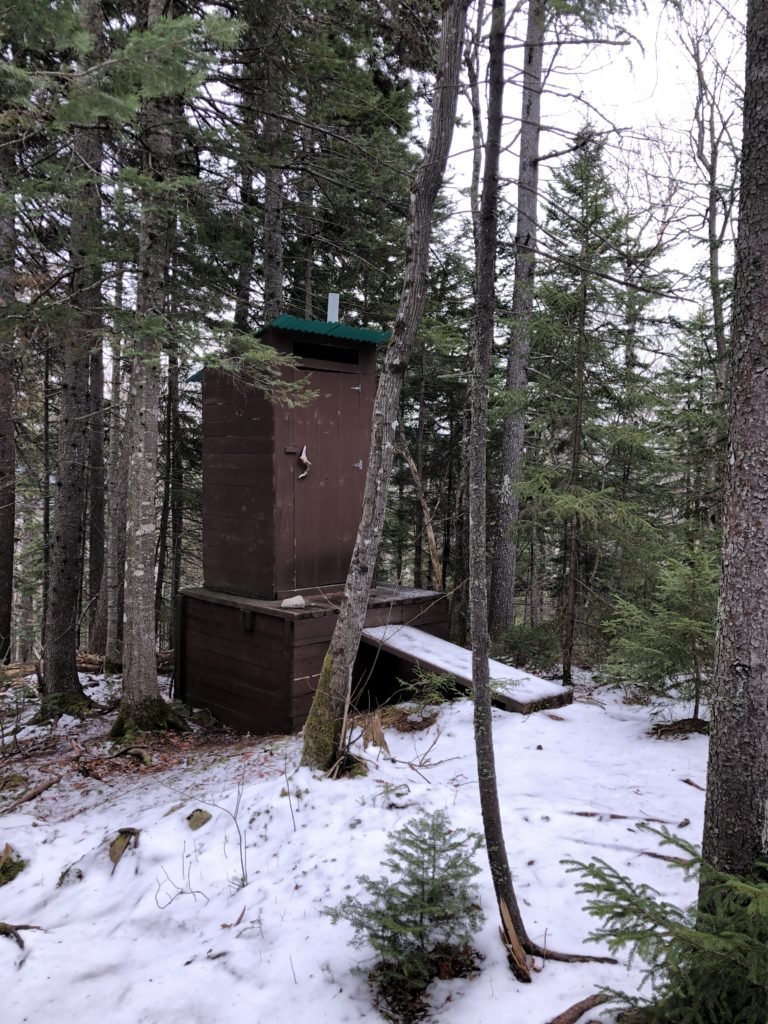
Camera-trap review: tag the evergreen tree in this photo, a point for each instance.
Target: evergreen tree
(667, 648)
(421, 918)
(589, 392)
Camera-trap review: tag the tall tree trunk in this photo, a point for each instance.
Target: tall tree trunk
(7, 440)
(117, 491)
(573, 529)
(535, 588)
(247, 241)
(142, 706)
(162, 530)
(502, 596)
(96, 504)
(177, 485)
(420, 511)
(46, 488)
(323, 730)
(460, 602)
(62, 686)
(482, 334)
(273, 223)
(736, 816)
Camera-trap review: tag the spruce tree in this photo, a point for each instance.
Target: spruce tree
(588, 397)
(420, 920)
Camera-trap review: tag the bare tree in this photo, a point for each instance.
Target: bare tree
(736, 817)
(502, 595)
(323, 730)
(482, 338)
(513, 928)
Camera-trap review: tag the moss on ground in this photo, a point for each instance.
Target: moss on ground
(151, 715)
(54, 705)
(11, 865)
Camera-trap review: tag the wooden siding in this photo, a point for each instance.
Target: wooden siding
(267, 530)
(238, 441)
(255, 665)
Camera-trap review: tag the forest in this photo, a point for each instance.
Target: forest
(557, 400)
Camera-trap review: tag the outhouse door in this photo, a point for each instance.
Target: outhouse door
(327, 457)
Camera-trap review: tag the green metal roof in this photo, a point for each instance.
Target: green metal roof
(327, 328)
(330, 330)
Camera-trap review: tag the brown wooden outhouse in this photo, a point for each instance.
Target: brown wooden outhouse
(282, 496)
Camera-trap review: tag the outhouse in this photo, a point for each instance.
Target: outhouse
(282, 497)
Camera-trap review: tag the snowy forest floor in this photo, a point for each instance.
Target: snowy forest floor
(223, 924)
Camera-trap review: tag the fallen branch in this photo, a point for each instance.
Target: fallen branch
(690, 782)
(572, 1014)
(11, 931)
(619, 817)
(534, 949)
(31, 794)
(681, 861)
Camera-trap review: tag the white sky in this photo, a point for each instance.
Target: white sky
(645, 88)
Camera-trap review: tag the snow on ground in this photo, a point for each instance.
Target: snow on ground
(173, 933)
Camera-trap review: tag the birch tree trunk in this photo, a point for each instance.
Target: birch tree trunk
(142, 707)
(502, 596)
(7, 440)
(62, 686)
(323, 730)
(736, 817)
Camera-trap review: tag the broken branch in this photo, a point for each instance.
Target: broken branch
(572, 1014)
(32, 793)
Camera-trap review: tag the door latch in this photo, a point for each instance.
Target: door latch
(304, 460)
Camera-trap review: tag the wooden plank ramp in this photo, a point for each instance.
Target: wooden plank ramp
(515, 690)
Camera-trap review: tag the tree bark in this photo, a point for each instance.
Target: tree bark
(96, 504)
(736, 816)
(142, 706)
(426, 521)
(502, 596)
(273, 223)
(177, 486)
(61, 682)
(323, 730)
(421, 512)
(46, 488)
(573, 529)
(117, 492)
(162, 530)
(7, 439)
(482, 333)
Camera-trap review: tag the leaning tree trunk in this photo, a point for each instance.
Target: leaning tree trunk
(7, 441)
(61, 682)
(142, 707)
(482, 333)
(323, 731)
(502, 596)
(736, 817)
